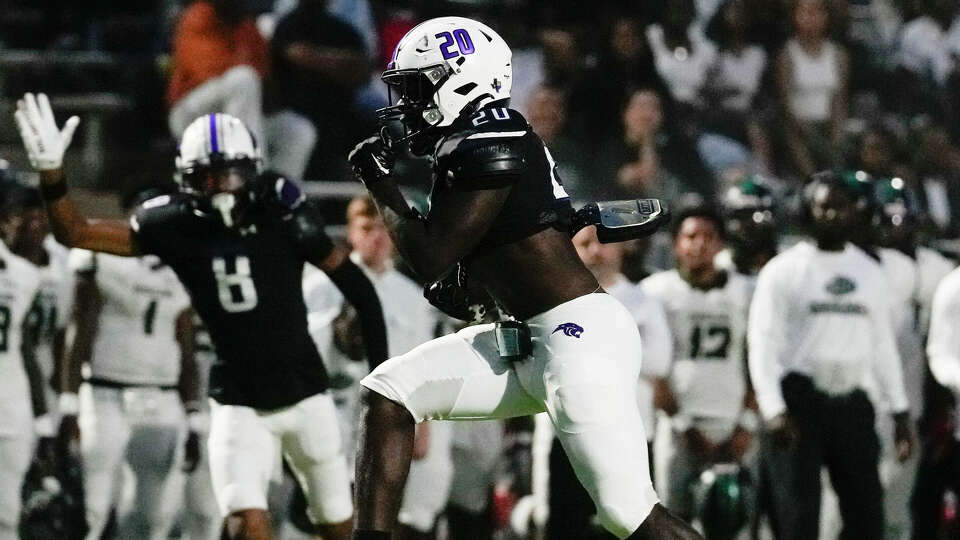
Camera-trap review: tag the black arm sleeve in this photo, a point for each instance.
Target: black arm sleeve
(306, 225)
(358, 290)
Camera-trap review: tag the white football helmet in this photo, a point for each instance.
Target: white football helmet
(213, 140)
(444, 68)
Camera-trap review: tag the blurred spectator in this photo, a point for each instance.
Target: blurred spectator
(357, 13)
(647, 160)
(730, 93)
(219, 60)
(938, 172)
(625, 63)
(547, 113)
(926, 60)
(811, 76)
(930, 44)
(318, 64)
(877, 152)
(681, 52)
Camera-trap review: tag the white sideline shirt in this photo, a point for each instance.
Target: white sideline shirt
(932, 267)
(826, 315)
(943, 344)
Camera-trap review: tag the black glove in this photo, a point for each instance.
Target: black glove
(274, 190)
(191, 455)
(450, 295)
(372, 160)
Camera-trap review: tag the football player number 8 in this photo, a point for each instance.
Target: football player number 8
(235, 288)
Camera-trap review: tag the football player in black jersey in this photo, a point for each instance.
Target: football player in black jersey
(238, 240)
(498, 218)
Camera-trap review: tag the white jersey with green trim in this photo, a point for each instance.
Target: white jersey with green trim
(51, 311)
(19, 282)
(709, 332)
(140, 301)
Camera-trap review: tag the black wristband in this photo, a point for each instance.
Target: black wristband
(370, 535)
(52, 192)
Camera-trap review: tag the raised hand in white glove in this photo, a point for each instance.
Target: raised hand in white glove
(45, 143)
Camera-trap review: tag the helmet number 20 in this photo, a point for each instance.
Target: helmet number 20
(236, 290)
(461, 37)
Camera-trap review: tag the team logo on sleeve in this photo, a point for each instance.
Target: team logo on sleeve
(569, 329)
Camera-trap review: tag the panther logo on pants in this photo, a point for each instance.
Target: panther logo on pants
(569, 329)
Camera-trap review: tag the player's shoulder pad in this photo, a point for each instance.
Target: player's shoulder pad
(487, 151)
(175, 209)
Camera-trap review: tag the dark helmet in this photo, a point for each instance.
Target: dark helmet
(860, 185)
(896, 212)
(722, 496)
(749, 210)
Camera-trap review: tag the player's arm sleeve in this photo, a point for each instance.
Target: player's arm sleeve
(306, 225)
(656, 340)
(888, 368)
(359, 291)
(943, 343)
(766, 339)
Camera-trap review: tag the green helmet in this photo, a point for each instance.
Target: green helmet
(721, 496)
(749, 213)
(892, 198)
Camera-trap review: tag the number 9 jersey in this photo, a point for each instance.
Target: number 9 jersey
(244, 282)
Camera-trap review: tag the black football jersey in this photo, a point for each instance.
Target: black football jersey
(496, 147)
(245, 283)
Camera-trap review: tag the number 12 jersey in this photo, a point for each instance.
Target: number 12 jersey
(709, 330)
